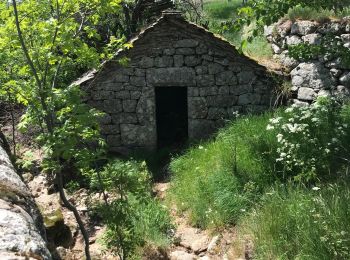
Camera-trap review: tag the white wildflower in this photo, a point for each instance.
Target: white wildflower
(279, 138)
(289, 109)
(316, 188)
(269, 127)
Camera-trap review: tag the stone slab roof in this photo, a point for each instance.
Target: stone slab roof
(174, 19)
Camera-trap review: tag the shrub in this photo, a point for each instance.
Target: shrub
(298, 223)
(313, 141)
(133, 218)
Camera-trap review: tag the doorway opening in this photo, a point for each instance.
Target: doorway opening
(171, 112)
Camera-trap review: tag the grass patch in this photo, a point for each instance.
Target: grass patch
(307, 13)
(222, 10)
(218, 180)
(302, 223)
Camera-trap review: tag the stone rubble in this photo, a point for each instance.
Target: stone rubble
(321, 76)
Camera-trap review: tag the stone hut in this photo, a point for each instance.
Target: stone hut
(177, 82)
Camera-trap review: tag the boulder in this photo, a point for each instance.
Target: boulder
(303, 27)
(312, 75)
(21, 225)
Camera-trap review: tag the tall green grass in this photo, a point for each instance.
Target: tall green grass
(302, 223)
(222, 10)
(218, 180)
(307, 13)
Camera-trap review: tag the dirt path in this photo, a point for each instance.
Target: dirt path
(192, 243)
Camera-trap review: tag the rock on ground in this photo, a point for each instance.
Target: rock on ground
(21, 230)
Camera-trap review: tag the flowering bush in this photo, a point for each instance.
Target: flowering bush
(311, 140)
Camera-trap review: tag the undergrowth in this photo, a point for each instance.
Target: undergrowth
(218, 12)
(282, 177)
(295, 222)
(210, 179)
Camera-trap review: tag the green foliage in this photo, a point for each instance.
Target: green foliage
(72, 186)
(220, 14)
(329, 46)
(267, 12)
(132, 216)
(220, 180)
(299, 223)
(222, 10)
(313, 141)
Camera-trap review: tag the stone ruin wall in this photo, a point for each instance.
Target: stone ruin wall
(218, 85)
(22, 234)
(322, 76)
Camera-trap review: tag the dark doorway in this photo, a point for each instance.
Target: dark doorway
(171, 111)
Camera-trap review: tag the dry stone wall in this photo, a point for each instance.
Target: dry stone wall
(322, 76)
(21, 227)
(175, 53)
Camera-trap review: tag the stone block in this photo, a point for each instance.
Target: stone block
(197, 107)
(146, 62)
(216, 113)
(307, 94)
(145, 110)
(245, 99)
(138, 81)
(110, 129)
(205, 80)
(241, 89)
(163, 61)
(201, 70)
(135, 94)
(186, 43)
(345, 79)
(122, 94)
(312, 75)
(224, 90)
(120, 78)
(178, 60)
(314, 38)
(246, 76)
(169, 51)
(222, 100)
(102, 94)
(105, 119)
(126, 71)
(140, 72)
(192, 61)
(201, 49)
(222, 61)
(112, 106)
(303, 27)
(129, 105)
(293, 40)
(208, 91)
(171, 77)
(215, 68)
(113, 140)
(128, 118)
(207, 57)
(193, 92)
(136, 135)
(185, 51)
(226, 78)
